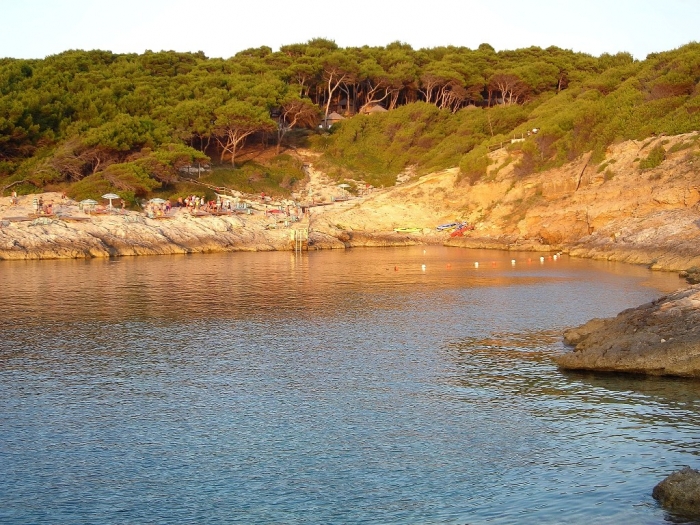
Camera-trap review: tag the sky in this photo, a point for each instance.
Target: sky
(221, 28)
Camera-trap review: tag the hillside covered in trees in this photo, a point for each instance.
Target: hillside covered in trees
(89, 122)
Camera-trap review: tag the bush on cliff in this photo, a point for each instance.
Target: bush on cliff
(656, 156)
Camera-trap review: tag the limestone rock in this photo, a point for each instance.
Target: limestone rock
(680, 492)
(657, 338)
(612, 211)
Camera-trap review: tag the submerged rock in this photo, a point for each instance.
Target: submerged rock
(680, 492)
(657, 338)
(692, 275)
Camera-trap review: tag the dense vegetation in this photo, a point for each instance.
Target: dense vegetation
(94, 121)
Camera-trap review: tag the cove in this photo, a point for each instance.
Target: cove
(395, 385)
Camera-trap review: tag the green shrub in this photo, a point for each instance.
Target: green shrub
(129, 180)
(473, 165)
(656, 156)
(530, 160)
(680, 146)
(280, 176)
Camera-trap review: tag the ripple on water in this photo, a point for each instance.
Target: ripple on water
(333, 388)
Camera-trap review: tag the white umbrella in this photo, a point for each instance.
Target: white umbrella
(87, 204)
(343, 185)
(110, 196)
(157, 200)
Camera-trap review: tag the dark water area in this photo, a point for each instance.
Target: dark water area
(360, 386)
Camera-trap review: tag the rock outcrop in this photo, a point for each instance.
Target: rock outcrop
(73, 234)
(657, 338)
(609, 209)
(680, 492)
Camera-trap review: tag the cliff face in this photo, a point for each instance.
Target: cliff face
(611, 210)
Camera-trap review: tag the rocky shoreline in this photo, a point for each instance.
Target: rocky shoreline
(658, 338)
(613, 211)
(651, 220)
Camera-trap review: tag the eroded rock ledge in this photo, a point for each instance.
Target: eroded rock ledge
(657, 338)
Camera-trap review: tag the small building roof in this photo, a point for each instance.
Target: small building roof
(335, 116)
(377, 109)
(374, 108)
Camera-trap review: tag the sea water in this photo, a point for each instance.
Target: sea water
(396, 385)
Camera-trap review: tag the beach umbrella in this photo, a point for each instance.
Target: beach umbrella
(157, 200)
(110, 196)
(87, 204)
(344, 187)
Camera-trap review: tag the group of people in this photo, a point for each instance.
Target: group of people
(38, 205)
(192, 203)
(195, 203)
(41, 207)
(153, 209)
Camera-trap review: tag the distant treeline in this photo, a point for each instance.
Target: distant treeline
(102, 121)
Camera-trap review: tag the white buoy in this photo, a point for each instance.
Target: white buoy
(512, 262)
(555, 257)
(541, 260)
(423, 267)
(476, 265)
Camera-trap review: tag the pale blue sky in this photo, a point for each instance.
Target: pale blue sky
(220, 28)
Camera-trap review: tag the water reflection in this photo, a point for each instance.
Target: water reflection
(512, 366)
(224, 285)
(335, 387)
(619, 423)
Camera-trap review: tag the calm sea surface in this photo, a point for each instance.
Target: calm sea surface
(335, 387)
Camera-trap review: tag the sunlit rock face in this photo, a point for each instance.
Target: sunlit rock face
(604, 209)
